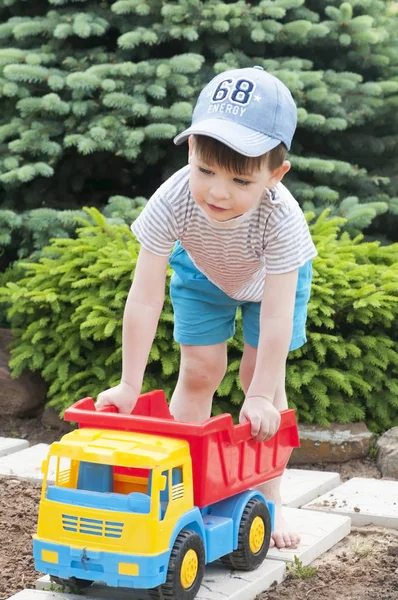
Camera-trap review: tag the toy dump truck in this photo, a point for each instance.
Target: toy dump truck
(144, 501)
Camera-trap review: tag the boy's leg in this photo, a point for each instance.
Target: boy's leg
(282, 536)
(201, 371)
(204, 318)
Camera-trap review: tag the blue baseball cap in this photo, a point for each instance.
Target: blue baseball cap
(247, 109)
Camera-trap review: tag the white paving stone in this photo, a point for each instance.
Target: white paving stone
(318, 531)
(218, 584)
(46, 595)
(25, 464)
(366, 501)
(11, 445)
(300, 486)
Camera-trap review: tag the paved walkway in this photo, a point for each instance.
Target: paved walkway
(319, 508)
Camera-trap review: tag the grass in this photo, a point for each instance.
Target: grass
(361, 547)
(297, 570)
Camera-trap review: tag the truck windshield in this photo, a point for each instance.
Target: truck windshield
(101, 486)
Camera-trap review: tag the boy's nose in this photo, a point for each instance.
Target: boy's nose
(219, 191)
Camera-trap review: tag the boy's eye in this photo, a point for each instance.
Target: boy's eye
(242, 181)
(204, 171)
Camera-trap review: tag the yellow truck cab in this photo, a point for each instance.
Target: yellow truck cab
(99, 504)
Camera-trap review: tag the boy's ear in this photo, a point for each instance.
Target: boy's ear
(279, 173)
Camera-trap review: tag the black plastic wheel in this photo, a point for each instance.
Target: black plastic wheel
(253, 538)
(186, 569)
(73, 583)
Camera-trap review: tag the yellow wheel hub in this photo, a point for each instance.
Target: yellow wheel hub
(189, 569)
(257, 535)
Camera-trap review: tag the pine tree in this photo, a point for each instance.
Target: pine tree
(93, 93)
(24, 236)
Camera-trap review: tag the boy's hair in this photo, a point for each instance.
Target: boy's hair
(211, 151)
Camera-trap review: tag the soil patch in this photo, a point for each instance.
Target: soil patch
(32, 429)
(357, 467)
(363, 566)
(18, 520)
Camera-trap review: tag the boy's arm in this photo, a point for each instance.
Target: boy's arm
(276, 325)
(141, 315)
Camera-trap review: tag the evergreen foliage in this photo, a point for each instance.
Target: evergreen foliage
(85, 85)
(66, 312)
(24, 235)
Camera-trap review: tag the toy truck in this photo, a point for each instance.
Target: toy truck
(144, 501)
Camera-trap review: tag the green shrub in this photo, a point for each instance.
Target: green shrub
(74, 300)
(66, 313)
(348, 369)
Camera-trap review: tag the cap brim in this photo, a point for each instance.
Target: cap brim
(241, 139)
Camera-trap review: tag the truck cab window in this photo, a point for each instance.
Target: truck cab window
(94, 477)
(164, 496)
(177, 490)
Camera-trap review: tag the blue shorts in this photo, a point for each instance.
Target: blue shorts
(205, 315)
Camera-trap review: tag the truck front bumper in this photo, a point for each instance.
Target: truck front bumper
(112, 568)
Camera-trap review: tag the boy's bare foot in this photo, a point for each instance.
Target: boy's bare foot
(283, 536)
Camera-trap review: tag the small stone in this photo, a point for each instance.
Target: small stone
(21, 396)
(357, 509)
(51, 419)
(11, 482)
(387, 456)
(337, 443)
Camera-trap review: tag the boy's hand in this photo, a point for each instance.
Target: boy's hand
(123, 396)
(263, 416)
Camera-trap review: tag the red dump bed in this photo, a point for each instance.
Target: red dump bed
(225, 459)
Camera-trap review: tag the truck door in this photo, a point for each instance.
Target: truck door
(176, 492)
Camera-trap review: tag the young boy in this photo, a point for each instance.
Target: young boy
(240, 240)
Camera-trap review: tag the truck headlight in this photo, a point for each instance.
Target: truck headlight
(128, 569)
(49, 556)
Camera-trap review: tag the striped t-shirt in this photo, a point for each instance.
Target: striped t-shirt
(237, 254)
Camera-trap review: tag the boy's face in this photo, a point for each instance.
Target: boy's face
(224, 195)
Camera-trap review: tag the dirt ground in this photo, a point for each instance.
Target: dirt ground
(18, 518)
(364, 566)
(32, 429)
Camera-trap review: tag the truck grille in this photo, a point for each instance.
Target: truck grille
(110, 529)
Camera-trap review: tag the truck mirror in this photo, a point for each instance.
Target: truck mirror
(162, 483)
